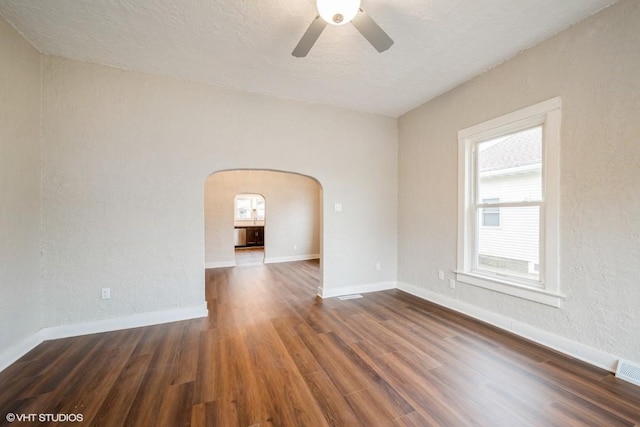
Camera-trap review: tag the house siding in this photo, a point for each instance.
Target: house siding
(518, 235)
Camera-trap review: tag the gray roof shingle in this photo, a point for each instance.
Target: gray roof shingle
(519, 149)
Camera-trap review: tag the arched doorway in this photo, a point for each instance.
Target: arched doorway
(293, 222)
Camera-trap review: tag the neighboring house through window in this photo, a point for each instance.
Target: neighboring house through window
(508, 207)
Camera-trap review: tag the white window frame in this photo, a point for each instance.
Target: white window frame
(548, 115)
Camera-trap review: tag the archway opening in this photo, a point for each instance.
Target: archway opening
(287, 205)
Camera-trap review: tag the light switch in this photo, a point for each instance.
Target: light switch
(337, 207)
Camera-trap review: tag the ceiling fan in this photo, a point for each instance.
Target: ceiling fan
(340, 12)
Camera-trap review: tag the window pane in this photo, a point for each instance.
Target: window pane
(243, 208)
(244, 213)
(509, 167)
(490, 219)
(243, 203)
(512, 249)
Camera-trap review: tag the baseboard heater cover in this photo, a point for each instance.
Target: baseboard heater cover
(628, 371)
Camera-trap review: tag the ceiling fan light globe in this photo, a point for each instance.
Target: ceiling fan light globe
(345, 10)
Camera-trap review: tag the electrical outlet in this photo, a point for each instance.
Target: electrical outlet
(106, 293)
(378, 266)
(441, 275)
(295, 247)
(452, 283)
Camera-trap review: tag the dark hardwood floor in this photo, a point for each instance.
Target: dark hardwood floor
(271, 354)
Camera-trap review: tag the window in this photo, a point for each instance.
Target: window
(490, 214)
(508, 205)
(249, 207)
(243, 208)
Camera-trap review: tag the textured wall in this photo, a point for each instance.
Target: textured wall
(20, 296)
(125, 159)
(594, 67)
(292, 213)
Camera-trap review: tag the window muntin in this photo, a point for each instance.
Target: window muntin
(509, 166)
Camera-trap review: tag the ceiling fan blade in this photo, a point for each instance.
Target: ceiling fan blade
(372, 31)
(309, 38)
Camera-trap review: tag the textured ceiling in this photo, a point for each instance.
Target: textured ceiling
(247, 44)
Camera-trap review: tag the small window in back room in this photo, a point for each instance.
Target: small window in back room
(249, 207)
(490, 215)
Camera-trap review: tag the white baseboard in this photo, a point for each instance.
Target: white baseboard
(273, 260)
(106, 325)
(356, 289)
(563, 345)
(219, 264)
(12, 354)
(128, 322)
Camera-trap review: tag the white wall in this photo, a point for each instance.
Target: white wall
(292, 214)
(125, 158)
(594, 67)
(20, 91)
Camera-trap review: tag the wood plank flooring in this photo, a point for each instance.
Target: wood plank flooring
(271, 354)
(249, 256)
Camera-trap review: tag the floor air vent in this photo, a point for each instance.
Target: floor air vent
(354, 296)
(628, 371)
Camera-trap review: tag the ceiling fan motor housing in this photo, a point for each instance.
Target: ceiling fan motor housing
(338, 12)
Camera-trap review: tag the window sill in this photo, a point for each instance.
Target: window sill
(513, 289)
